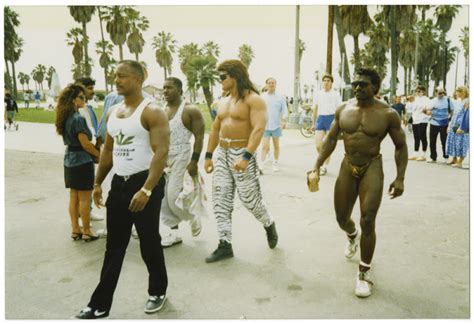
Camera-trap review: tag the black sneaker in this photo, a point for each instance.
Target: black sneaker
(154, 304)
(91, 313)
(272, 236)
(223, 251)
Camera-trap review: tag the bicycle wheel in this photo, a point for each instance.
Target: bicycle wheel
(306, 131)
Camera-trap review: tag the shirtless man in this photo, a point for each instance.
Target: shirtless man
(238, 130)
(364, 122)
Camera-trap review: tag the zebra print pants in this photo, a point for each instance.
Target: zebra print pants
(224, 182)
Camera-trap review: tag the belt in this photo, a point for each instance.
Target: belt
(233, 143)
(74, 148)
(128, 177)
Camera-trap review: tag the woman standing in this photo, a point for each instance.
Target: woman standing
(78, 159)
(420, 123)
(458, 136)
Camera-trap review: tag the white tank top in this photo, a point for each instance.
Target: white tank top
(132, 150)
(179, 135)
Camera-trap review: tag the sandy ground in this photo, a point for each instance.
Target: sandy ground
(420, 267)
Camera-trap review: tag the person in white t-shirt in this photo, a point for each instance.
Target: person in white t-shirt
(420, 123)
(327, 100)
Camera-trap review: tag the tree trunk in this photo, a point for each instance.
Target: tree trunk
(356, 52)
(393, 54)
(120, 52)
(15, 90)
(103, 46)
(166, 75)
(8, 86)
(208, 96)
(87, 69)
(136, 57)
(329, 39)
(409, 81)
(405, 81)
(342, 45)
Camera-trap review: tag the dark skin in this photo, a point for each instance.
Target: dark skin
(153, 119)
(191, 117)
(364, 122)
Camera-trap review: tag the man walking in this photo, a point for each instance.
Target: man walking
(185, 121)
(238, 130)
(26, 98)
(439, 110)
(137, 147)
(364, 122)
(277, 116)
(327, 100)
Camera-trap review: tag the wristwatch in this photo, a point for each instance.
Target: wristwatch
(146, 192)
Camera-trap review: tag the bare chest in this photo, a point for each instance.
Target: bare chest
(229, 109)
(370, 121)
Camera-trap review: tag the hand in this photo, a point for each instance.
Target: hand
(97, 196)
(241, 165)
(138, 202)
(459, 131)
(396, 189)
(283, 125)
(192, 168)
(208, 165)
(312, 180)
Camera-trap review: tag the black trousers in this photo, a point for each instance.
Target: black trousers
(119, 227)
(419, 133)
(434, 131)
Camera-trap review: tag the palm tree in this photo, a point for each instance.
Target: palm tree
(75, 39)
(165, 47)
(211, 49)
(464, 39)
(117, 25)
(342, 45)
(12, 44)
(138, 24)
(202, 73)
(444, 19)
(111, 73)
(24, 79)
(38, 74)
(246, 54)
(407, 56)
(397, 18)
(83, 15)
(355, 21)
(428, 50)
(105, 50)
(49, 76)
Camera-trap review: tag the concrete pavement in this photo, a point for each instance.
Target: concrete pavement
(420, 267)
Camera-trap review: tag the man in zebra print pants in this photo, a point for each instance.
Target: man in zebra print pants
(238, 130)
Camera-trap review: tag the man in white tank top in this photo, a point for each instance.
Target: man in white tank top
(136, 146)
(185, 121)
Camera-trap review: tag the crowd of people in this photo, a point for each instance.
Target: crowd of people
(137, 160)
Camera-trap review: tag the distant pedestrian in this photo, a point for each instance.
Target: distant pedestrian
(420, 123)
(37, 99)
(26, 98)
(10, 108)
(458, 130)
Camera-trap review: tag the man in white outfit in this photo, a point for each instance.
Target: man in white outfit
(327, 100)
(185, 121)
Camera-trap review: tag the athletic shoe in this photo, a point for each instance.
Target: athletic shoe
(134, 233)
(95, 216)
(363, 284)
(102, 232)
(351, 247)
(171, 239)
(272, 236)
(90, 313)
(154, 304)
(196, 225)
(323, 170)
(275, 166)
(431, 161)
(223, 251)
(412, 158)
(421, 158)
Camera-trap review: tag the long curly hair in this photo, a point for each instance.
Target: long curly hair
(238, 71)
(65, 106)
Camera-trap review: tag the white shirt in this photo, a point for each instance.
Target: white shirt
(418, 105)
(327, 102)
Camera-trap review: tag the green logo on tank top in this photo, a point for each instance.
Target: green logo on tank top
(121, 139)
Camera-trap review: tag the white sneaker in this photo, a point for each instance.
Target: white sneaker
(134, 233)
(102, 232)
(95, 216)
(431, 161)
(171, 239)
(196, 226)
(351, 247)
(323, 170)
(275, 166)
(363, 284)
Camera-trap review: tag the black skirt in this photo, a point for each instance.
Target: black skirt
(80, 177)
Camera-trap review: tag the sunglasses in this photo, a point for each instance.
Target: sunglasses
(223, 76)
(360, 84)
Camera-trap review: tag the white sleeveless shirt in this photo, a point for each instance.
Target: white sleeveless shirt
(132, 150)
(179, 135)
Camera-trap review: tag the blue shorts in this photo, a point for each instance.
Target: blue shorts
(324, 122)
(273, 133)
